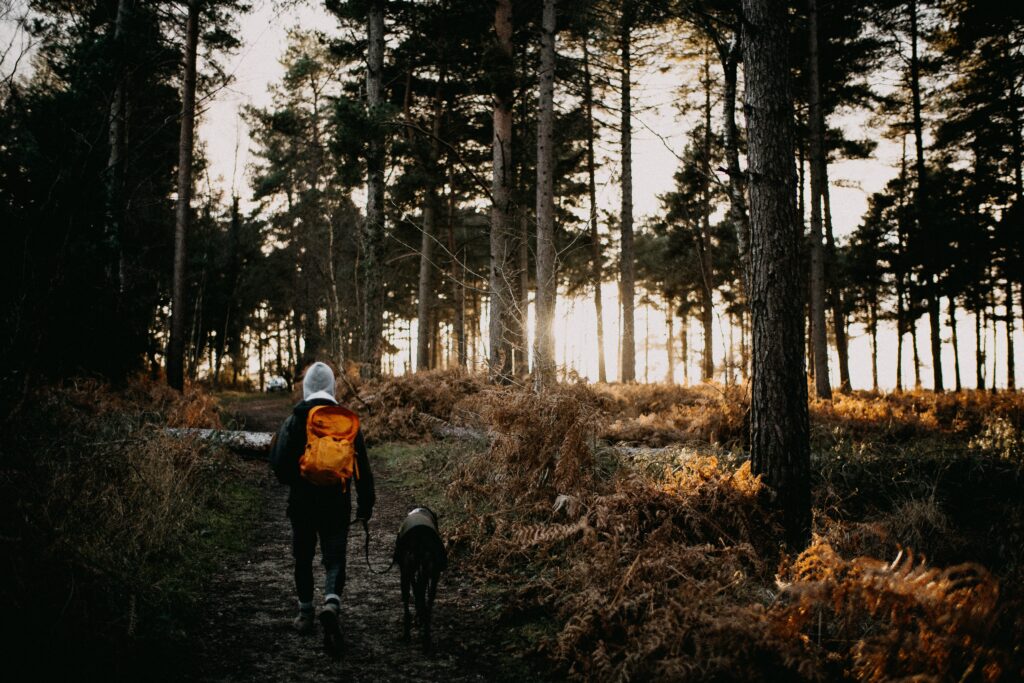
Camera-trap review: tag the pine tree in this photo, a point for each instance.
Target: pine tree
(779, 426)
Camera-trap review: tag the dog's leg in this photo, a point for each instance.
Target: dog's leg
(407, 619)
(420, 589)
(428, 643)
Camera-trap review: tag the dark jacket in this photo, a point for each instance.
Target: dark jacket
(307, 501)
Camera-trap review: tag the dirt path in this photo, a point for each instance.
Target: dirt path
(247, 636)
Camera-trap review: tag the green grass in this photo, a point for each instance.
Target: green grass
(222, 530)
(419, 469)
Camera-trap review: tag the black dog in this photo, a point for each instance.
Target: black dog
(421, 557)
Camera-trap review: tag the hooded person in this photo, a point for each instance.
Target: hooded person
(317, 510)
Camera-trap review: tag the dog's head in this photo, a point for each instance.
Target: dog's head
(421, 509)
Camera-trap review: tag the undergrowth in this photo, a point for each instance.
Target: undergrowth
(110, 525)
(667, 567)
(409, 408)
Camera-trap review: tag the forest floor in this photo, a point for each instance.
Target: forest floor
(600, 532)
(246, 633)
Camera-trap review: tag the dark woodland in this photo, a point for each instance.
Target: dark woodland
(732, 430)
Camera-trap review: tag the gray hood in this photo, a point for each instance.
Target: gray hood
(318, 382)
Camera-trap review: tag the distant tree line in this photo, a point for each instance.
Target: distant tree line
(470, 131)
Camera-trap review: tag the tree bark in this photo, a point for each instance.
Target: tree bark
(900, 331)
(737, 197)
(425, 298)
(704, 246)
(819, 333)
(835, 290)
(595, 240)
(921, 198)
(917, 355)
(979, 349)
(374, 226)
(1011, 366)
(627, 272)
(457, 276)
(544, 343)
(873, 330)
(956, 345)
(684, 337)
(521, 333)
(779, 424)
(425, 295)
(116, 159)
(501, 303)
(670, 344)
(176, 346)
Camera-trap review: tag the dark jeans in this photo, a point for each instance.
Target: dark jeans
(333, 542)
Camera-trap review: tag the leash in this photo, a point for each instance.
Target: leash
(366, 548)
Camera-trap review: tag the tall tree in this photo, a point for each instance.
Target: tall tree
(430, 210)
(921, 195)
(116, 140)
(544, 345)
(819, 334)
(176, 346)
(596, 259)
(502, 307)
(374, 226)
(779, 423)
(627, 275)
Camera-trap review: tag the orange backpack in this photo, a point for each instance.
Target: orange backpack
(330, 456)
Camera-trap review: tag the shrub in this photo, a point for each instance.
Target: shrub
(109, 523)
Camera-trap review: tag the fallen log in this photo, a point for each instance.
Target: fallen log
(246, 443)
(442, 429)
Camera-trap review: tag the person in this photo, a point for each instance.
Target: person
(316, 510)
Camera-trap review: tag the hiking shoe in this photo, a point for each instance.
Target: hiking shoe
(332, 629)
(303, 624)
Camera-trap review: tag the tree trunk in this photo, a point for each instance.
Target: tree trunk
(779, 425)
(835, 290)
(521, 333)
(979, 350)
(737, 198)
(730, 362)
(900, 331)
(670, 344)
(457, 276)
(744, 351)
(917, 355)
(259, 358)
(116, 159)
(647, 343)
(685, 355)
(873, 329)
(704, 246)
(176, 346)
(819, 333)
(627, 276)
(956, 345)
(501, 304)
(425, 298)
(994, 320)
(374, 226)
(1011, 366)
(921, 199)
(544, 343)
(595, 241)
